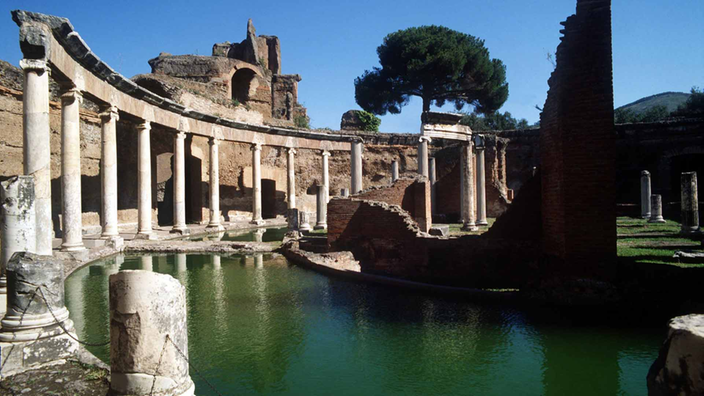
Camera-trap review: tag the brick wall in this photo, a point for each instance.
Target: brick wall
(411, 193)
(577, 144)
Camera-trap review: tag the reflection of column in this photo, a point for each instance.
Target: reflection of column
(258, 260)
(645, 194)
(394, 171)
(481, 188)
(326, 175)
(423, 155)
(72, 226)
(467, 186)
(431, 170)
(291, 178)
(179, 183)
(214, 223)
(75, 294)
(257, 184)
(181, 262)
(356, 164)
(144, 181)
(216, 261)
(37, 146)
(108, 172)
(259, 234)
(146, 263)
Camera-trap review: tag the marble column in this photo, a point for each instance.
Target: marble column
(144, 182)
(72, 225)
(423, 155)
(214, 223)
(37, 146)
(394, 171)
(431, 171)
(179, 183)
(656, 209)
(18, 222)
(291, 178)
(108, 172)
(690, 203)
(481, 188)
(321, 209)
(645, 194)
(356, 164)
(467, 188)
(326, 175)
(257, 184)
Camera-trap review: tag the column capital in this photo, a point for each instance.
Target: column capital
(291, 150)
(424, 138)
(256, 147)
(145, 125)
(180, 135)
(71, 95)
(214, 142)
(325, 153)
(39, 65)
(110, 114)
(644, 173)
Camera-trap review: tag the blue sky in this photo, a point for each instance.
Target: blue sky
(658, 44)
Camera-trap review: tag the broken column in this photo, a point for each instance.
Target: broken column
(257, 184)
(645, 194)
(423, 155)
(356, 164)
(144, 182)
(34, 327)
(291, 178)
(72, 225)
(292, 219)
(394, 171)
(305, 220)
(656, 209)
(37, 146)
(467, 188)
(431, 170)
(19, 222)
(148, 335)
(481, 181)
(108, 173)
(690, 203)
(321, 209)
(214, 223)
(344, 193)
(179, 178)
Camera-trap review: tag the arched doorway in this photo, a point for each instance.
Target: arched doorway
(240, 85)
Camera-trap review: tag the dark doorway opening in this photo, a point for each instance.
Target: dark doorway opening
(241, 81)
(268, 198)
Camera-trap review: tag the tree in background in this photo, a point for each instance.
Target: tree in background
(694, 106)
(652, 114)
(494, 122)
(436, 64)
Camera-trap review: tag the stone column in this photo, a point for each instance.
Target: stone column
(344, 193)
(326, 176)
(481, 188)
(394, 171)
(144, 182)
(291, 178)
(656, 209)
(19, 222)
(214, 224)
(305, 221)
(423, 155)
(257, 184)
(432, 174)
(467, 188)
(645, 194)
(148, 329)
(356, 164)
(179, 182)
(108, 172)
(321, 209)
(690, 203)
(37, 146)
(72, 225)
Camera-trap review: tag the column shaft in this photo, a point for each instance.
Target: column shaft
(356, 164)
(37, 146)
(468, 209)
(326, 176)
(72, 226)
(144, 180)
(690, 203)
(179, 179)
(423, 156)
(481, 188)
(321, 209)
(656, 209)
(257, 185)
(291, 178)
(394, 171)
(108, 172)
(645, 193)
(431, 171)
(214, 186)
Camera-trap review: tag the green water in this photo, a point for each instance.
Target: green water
(258, 325)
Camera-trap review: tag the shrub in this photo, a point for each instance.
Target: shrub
(370, 122)
(301, 121)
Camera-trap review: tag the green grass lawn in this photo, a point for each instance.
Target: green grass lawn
(456, 229)
(652, 242)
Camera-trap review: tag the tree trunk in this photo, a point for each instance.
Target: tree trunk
(426, 104)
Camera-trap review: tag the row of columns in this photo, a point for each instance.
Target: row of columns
(651, 204)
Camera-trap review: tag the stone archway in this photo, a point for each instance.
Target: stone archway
(240, 85)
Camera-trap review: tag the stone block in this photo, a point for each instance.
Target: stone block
(440, 230)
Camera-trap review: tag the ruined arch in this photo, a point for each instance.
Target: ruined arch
(241, 85)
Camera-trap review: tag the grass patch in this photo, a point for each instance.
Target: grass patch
(456, 228)
(653, 243)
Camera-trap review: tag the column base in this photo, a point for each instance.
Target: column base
(214, 227)
(72, 247)
(21, 356)
(304, 227)
(149, 236)
(321, 226)
(258, 222)
(469, 227)
(690, 231)
(181, 230)
(645, 216)
(657, 220)
(482, 223)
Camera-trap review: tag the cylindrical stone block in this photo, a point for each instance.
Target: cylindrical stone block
(257, 185)
(394, 171)
(481, 189)
(144, 180)
(30, 312)
(467, 188)
(72, 225)
(432, 175)
(214, 187)
(179, 177)
(37, 146)
(356, 165)
(423, 155)
(108, 172)
(321, 209)
(305, 221)
(645, 194)
(690, 202)
(291, 178)
(18, 221)
(656, 209)
(148, 335)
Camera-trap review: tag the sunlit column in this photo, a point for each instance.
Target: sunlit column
(108, 172)
(144, 181)
(179, 178)
(214, 223)
(257, 184)
(291, 179)
(356, 171)
(72, 225)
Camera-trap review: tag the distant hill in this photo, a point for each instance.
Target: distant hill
(671, 100)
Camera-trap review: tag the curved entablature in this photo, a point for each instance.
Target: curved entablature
(53, 39)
